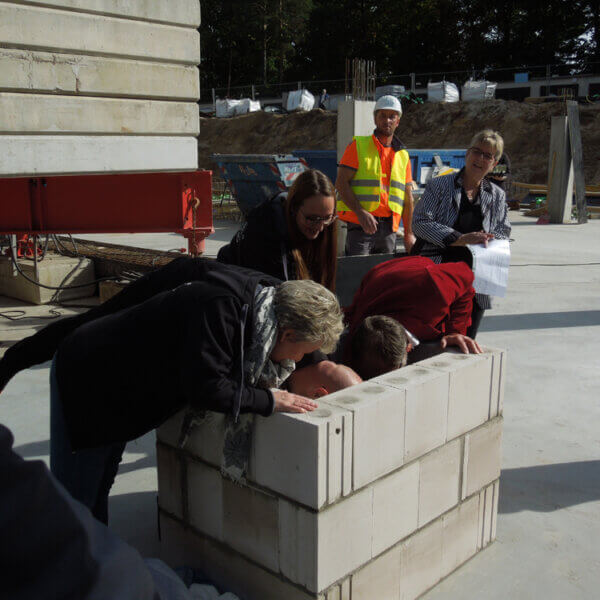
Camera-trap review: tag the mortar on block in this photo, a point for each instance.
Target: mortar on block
(380, 493)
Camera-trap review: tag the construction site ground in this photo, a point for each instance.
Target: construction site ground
(549, 510)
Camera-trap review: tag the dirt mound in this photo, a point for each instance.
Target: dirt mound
(266, 133)
(524, 126)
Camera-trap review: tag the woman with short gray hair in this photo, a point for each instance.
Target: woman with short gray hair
(311, 310)
(464, 208)
(225, 343)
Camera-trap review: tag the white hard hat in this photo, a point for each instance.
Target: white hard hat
(388, 103)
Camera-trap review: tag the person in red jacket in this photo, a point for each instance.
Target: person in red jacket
(429, 301)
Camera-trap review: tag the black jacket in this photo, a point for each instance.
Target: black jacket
(42, 346)
(53, 548)
(124, 374)
(263, 242)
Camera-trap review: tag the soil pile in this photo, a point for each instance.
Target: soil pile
(266, 133)
(524, 126)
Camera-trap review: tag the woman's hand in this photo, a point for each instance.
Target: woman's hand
(464, 342)
(409, 241)
(475, 237)
(292, 403)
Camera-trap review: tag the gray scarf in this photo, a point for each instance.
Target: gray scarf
(259, 371)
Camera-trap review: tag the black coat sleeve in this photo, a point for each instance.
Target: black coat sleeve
(41, 346)
(211, 365)
(261, 242)
(52, 547)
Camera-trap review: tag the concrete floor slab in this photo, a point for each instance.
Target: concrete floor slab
(549, 509)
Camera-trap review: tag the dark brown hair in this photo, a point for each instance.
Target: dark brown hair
(314, 259)
(378, 345)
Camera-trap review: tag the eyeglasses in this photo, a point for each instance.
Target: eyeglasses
(481, 154)
(317, 220)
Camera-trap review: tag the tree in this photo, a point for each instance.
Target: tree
(244, 42)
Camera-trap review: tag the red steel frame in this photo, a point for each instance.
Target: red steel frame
(112, 203)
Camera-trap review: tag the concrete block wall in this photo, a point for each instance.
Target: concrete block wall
(92, 86)
(359, 499)
(355, 117)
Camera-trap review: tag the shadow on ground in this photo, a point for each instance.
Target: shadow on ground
(574, 318)
(546, 488)
(42, 448)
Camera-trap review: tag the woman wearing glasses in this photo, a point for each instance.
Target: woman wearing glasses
(291, 236)
(464, 208)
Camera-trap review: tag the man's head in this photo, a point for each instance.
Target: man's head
(308, 316)
(321, 379)
(386, 114)
(379, 345)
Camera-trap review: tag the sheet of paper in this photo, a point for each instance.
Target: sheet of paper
(490, 266)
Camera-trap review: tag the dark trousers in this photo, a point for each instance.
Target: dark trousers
(86, 474)
(476, 316)
(383, 241)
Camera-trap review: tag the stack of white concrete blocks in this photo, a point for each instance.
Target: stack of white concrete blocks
(94, 86)
(381, 492)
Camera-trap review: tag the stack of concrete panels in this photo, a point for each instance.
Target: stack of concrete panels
(381, 492)
(98, 86)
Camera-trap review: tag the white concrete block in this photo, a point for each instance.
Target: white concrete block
(303, 456)
(480, 518)
(459, 534)
(168, 432)
(346, 590)
(35, 113)
(379, 579)
(340, 591)
(228, 569)
(54, 270)
(333, 542)
(487, 515)
(298, 555)
(205, 499)
(30, 71)
(46, 154)
(251, 523)
(482, 456)
(355, 117)
(333, 593)
(469, 389)
(335, 457)
(344, 533)
(378, 429)
(438, 483)
(426, 407)
(182, 12)
(170, 480)
(38, 28)
(495, 510)
(421, 562)
(204, 441)
(498, 376)
(395, 507)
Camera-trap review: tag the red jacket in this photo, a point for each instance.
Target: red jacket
(430, 300)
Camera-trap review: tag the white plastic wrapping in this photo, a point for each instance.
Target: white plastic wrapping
(247, 105)
(442, 91)
(389, 90)
(300, 100)
(226, 108)
(478, 90)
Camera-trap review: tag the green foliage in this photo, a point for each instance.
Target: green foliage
(286, 40)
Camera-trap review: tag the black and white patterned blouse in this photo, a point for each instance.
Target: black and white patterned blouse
(437, 211)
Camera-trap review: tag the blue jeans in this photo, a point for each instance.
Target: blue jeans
(86, 474)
